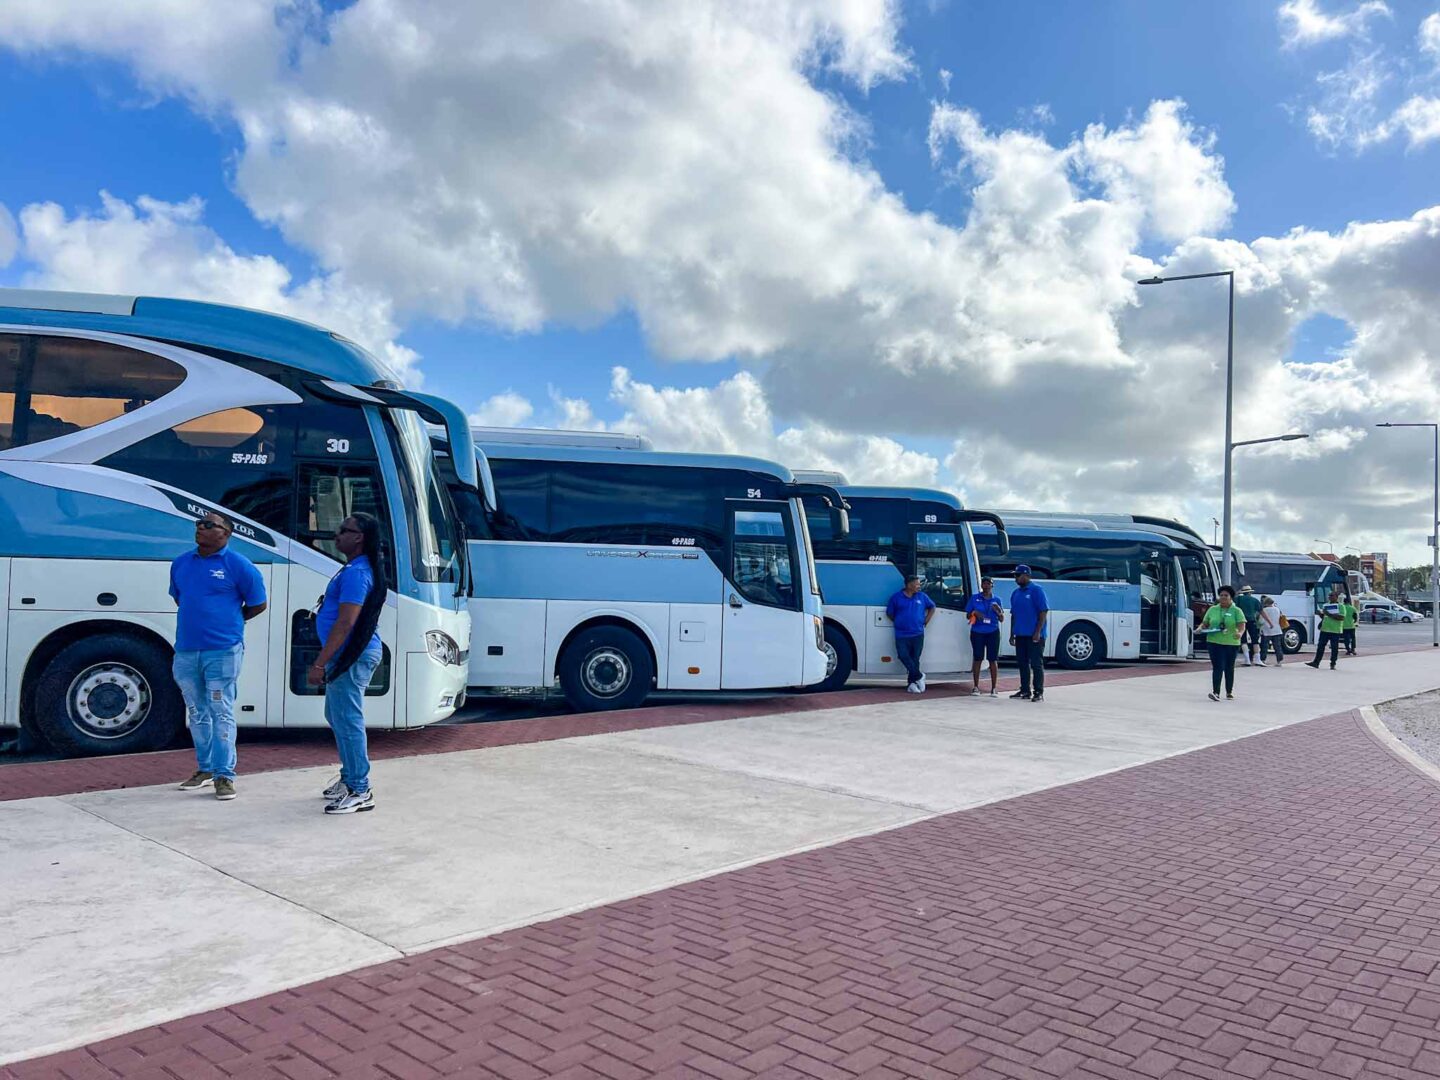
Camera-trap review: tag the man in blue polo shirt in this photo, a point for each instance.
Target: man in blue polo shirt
(1028, 611)
(911, 610)
(216, 590)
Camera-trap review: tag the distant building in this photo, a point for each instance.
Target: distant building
(1374, 566)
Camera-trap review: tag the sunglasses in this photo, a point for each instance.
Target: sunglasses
(206, 526)
(345, 529)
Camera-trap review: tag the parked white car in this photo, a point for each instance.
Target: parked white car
(1387, 611)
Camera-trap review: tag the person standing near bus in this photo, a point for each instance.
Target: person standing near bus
(985, 613)
(1332, 629)
(1271, 631)
(911, 610)
(1223, 624)
(216, 590)
(346, 623)
(1349, 619)
(1249, 605)
(1029, 610)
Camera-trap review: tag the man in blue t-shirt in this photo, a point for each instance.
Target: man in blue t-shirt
(911, 610)
(985, 613)
(1028, 611)
(216, 591)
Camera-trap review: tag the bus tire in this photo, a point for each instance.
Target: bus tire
(606, 667)
(1080, 646)
(839, 660)
(1293, 638)
(109, 694)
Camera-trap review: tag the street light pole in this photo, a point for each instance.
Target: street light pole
(1226, 570)
(1433, 539)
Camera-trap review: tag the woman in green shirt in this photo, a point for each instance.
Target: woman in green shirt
(1222, 625)
(1351, 616)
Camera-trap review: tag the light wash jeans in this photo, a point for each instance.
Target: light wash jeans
(207, 679)
(345, 713)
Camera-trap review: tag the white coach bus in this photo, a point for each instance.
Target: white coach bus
(1299, 583)
(122, 420)
(617, 570)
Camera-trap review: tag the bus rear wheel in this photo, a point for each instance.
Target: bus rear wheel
(606, 667)
(109, 694)
(1080, 647)
(839, 660)
(1293, 638)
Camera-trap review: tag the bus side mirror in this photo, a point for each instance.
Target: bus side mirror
(839, 522)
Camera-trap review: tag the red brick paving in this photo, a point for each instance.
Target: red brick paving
(76, 775)
(1265, 908)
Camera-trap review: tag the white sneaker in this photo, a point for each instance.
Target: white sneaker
(994, 693)
(974, 691)
(335, 790)
(1247, 660)
(911, 689)
(921, 684)
(351, 803)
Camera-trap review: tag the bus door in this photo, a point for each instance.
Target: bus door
(327, 492)
(762, 643)
(1159, 609)
(940, 561)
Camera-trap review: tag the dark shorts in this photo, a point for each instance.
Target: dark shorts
(985, 646)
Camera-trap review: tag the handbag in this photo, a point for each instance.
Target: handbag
(1284, 623)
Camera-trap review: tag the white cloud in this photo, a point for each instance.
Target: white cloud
(553, 162)
(503, 410)
(1304, 22)
(1428, 38)
(1419, 119)
(9, 237)
(156, 248)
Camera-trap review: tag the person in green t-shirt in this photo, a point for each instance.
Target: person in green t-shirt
(1332, 629)
(1223, 624)
(1350, 616)
(1249, 605)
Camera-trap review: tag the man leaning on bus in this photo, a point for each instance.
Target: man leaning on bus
(216, 590)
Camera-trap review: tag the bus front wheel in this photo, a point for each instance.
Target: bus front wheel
(1293, 638)
(1080, 647)
(606, 667)
(109, 694)
(839, 659)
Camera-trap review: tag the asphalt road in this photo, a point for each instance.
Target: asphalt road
(487, 710)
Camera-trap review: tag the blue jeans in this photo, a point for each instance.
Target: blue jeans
(345, 713)
(207, 679)
(907, 651)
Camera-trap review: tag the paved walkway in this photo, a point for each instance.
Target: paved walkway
(1270, 904)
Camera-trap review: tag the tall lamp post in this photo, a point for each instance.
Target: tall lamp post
(1431, 538)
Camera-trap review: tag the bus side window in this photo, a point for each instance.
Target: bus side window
(938, 562)
(761, 559)
(327, 494)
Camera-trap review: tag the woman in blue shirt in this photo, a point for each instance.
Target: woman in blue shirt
(349, 655)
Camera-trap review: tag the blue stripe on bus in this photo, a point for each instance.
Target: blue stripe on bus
(537, 571)
(1080, 596)
(39, 521)
(850, 584)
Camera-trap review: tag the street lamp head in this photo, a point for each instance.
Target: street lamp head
(1292, 438)
(1386, 424)
(1151, 281)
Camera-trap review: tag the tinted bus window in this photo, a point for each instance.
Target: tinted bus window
(593, 503)
(762, 568)
(939, 562)
(522, 492)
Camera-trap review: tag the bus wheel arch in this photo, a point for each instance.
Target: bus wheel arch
(840, 653)
(1079, 646)
(102, 687)
(606, 663)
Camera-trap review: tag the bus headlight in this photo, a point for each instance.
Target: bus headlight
(819, 633)
(442, 646)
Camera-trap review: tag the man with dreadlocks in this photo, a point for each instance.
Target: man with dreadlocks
(349, 655)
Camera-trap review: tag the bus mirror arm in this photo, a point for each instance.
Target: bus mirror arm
(834, 502)
(1002, 538)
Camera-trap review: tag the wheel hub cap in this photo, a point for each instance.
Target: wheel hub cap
(606, 672)
(831, 660)
(1079, 646)
(107, 701)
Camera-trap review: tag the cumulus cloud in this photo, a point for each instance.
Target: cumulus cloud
(1428, 37)
(156, 248)
(503, 410)
(1304, 22)
(9, 237)
(520, 165)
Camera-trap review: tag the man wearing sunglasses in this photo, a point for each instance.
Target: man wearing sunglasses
(216, 590)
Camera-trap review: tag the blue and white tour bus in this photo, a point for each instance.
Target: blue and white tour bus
(893, 532)
(616, 570)
(122, 420)
(1120, 589)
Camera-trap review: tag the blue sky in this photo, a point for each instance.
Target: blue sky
(91, 110)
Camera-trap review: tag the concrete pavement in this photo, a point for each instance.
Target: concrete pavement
(217, 903)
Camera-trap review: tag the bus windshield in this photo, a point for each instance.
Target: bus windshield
(435, 547)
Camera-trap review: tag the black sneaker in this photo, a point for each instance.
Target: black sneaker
(1023, 695)
(1213, 696)
(1313, 663)
(335, 790)
(1037, 697)
(198, 779)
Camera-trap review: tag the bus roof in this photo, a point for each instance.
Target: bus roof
(259, 334)
(611, 456)
(512, 436)
(934, 495)
(1088, 529)
(1109, 522)
(1283, 557)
